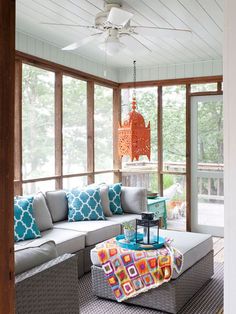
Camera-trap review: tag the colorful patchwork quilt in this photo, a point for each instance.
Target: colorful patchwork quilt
(130, 273)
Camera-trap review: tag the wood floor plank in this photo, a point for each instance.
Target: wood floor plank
(218, 246)
(216, 239)
(219, 258)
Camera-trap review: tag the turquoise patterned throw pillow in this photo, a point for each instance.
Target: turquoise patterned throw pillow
(114, 198)
(84, 205)
(25, 227)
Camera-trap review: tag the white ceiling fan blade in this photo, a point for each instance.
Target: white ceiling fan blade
(156, 32)
(82, 42)
(128, 52)
(119, 17)
(71, 46)
(134, 44)
(73, 25)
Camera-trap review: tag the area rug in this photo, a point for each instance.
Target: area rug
(209, 300)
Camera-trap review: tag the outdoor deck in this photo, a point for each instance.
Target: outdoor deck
(207, 212)
(210, 191)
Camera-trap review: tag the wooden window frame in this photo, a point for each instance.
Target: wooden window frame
(91, 80)
(187, 83)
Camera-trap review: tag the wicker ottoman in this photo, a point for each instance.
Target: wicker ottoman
(172, 296)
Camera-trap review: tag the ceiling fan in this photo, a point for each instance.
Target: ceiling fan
(113, 25)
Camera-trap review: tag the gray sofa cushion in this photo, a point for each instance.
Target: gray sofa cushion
(104, 188)
(29, 254)
(133, 199)
(193, 246)
(95, 231)
(124, 218)
(57, 204)
(41, 212)
(67, 241)
(131, 218)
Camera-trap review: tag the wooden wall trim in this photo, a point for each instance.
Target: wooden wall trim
(58, 129)
(207, 93)
(116, 122)
(188, 157)
(52, 66)
(7, 88)
(90, 131)
(179, 81)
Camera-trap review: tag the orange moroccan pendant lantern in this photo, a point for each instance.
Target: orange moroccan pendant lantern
(134, 136)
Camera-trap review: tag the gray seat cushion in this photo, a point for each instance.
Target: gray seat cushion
(57, 204)
(41, 212)
(29, 254)
(95, 231)
(124, 218)
(193, 246)
(67, 241)
(133, 199)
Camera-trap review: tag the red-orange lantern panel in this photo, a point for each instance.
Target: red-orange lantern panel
(134, 138)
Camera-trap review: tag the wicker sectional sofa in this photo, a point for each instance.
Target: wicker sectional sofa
(58, 236)
(47, 268)
(50, 266)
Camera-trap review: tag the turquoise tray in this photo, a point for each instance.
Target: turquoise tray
(120, 240)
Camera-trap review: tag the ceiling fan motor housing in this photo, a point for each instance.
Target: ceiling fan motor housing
(101, 17)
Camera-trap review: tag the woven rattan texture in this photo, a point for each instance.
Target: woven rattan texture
(51, 288)
(208, 300)
(170, 297)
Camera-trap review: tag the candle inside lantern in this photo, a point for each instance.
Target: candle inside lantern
(149, 227)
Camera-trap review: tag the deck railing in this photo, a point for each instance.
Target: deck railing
(143, 174)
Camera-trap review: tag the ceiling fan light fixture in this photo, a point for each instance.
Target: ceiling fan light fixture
(112, 46)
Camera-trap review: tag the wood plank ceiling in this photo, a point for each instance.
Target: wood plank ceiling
(203, 17)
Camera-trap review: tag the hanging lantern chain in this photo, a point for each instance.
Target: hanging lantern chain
(134, 90)
(134, 78)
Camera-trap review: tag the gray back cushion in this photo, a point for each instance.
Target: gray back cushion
(41, 212)
(104, 188)
(133, 199)
(57, 204)
(32, 255)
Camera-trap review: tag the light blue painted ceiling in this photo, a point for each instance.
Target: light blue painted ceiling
(203, 17)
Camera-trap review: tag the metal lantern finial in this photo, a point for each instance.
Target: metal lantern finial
(134, 136)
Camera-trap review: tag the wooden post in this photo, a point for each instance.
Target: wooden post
(90, 131)
(7, 75)
(58, 129)
(116, 121)
(160, 140)
(188, 157)
(18, 129)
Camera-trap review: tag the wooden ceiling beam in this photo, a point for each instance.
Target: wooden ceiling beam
(179, 81)
(52, 66)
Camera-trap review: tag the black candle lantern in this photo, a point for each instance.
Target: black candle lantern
(150, 228)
